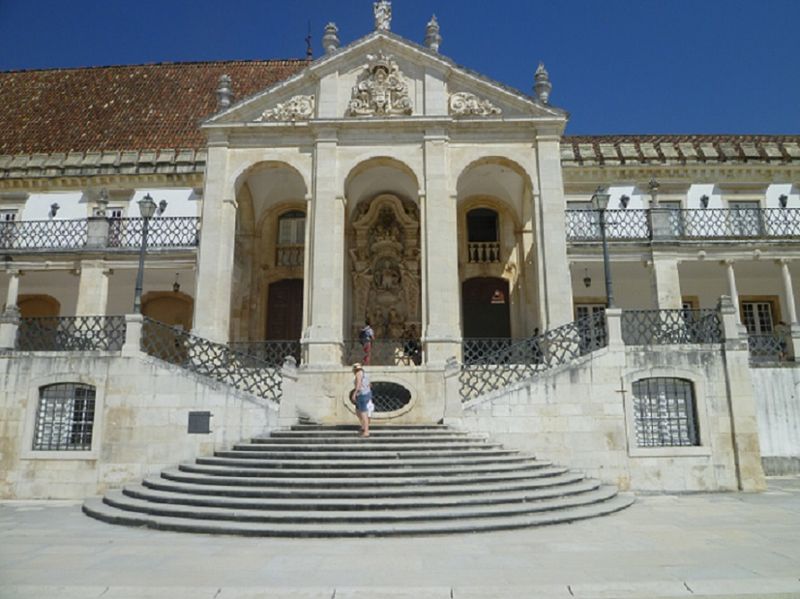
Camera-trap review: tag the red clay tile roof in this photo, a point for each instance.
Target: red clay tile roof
(154, 106)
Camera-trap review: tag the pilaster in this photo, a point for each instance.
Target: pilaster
(557, 306)
(665, 283)
(442, 327)
(93, 288)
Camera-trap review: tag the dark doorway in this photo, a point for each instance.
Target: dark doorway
(285, 310)
(485, 303)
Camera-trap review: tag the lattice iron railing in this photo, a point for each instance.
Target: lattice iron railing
(176, 231)
(687, 224)
(661, 327)
(214, 360)
(269, 352)
(483, 252)
(389, 397)
(35, 234)
(492, 370)
(384, 352)
(71, 333)
(122, 233)
(768, 347)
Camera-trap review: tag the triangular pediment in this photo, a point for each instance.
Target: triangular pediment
(384, 76)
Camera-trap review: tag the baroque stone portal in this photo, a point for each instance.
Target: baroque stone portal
(382, 90)
(385, 266)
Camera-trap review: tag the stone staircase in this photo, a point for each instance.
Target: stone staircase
(325, 481)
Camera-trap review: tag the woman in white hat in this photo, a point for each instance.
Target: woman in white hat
(363, 393)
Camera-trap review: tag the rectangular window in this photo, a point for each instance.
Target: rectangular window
(64, 418)
(757, 317)
(664, 413)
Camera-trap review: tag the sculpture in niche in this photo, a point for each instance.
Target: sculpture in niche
(382, 90)
(467, 104)
(385, 266)
(299, 108)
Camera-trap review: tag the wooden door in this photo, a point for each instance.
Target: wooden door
(285, 310)
(485, 303)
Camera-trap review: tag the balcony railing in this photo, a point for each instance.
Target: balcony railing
(664, 327)
(685, 225)
(289, 255)
(123, 233)
(71, 333)
(483, 252)
(769, 348)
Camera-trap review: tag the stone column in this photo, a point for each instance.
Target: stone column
(557, 306)
(93, 288)
(9, 319)
(732, 291)
(788, 291)
(665, 284)
(212, 312)
(741, 402)
(323, 337)
(441, 333)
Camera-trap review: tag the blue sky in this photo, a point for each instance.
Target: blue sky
(636, 66)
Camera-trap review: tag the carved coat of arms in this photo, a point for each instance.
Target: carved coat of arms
(382, 90)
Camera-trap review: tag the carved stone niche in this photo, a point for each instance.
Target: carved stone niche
(385, 267)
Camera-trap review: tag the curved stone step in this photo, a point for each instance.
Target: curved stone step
(97, 509)
(357, 459)
(182, 482)
(224, 476)
(292, 502)
(117, 498)
(301, 452)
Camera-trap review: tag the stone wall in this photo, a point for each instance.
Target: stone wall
(778, 418)
(140, 427)
(581, 416)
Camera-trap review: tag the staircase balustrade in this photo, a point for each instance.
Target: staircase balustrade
(663, 327)
(272, 352)
(71, 333)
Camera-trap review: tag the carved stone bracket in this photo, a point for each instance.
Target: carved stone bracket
(299, 108)
(381, 91)
(467, 104)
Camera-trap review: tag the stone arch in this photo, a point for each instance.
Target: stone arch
(263, 191)
(380, 174)
(174, 308)
(38, 306)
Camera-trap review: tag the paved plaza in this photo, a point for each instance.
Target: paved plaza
(700, 545)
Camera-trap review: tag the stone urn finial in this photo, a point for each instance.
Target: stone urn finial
(432, 36)
(330, 39)
(224, 92)
(542, 86)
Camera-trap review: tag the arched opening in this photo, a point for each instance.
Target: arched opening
(38, 306)
(270, 248)
(384, 251)
(170, 307)
(485, 308)
(483, 242)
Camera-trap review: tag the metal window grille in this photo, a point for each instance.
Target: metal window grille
(64, 418)
(389, 397)
(665, 413)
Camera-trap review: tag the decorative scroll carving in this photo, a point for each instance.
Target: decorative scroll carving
(381, 91)
(467, 104)
(385, 267)
(299, 108)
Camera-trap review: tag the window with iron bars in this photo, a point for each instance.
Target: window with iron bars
(64, 418)
(665, 413)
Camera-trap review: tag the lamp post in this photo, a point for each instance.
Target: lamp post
(600, 203)
(147, 207)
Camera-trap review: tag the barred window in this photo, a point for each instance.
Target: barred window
(664, 412)
(64, 418)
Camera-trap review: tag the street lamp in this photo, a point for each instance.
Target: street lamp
(147, 207)
(600, 203)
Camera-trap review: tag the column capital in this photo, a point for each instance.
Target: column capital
(727, 262)
(783, 261)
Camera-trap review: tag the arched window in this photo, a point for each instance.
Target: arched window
(665, 413)
(64, 418)
(483, 244)
(291, 237)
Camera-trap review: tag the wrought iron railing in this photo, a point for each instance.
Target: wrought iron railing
(35, 234)
(176, 231)
(499, 366)
(122, 233)
(289, 255)
(384, 352)
(686, 224)
(214, 360)
(661, 327)
(629, 225)
(269, 352)
(483, 252)
(768, 347)
(71, 333)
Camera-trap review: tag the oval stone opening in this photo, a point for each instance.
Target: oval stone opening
(389, 397)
